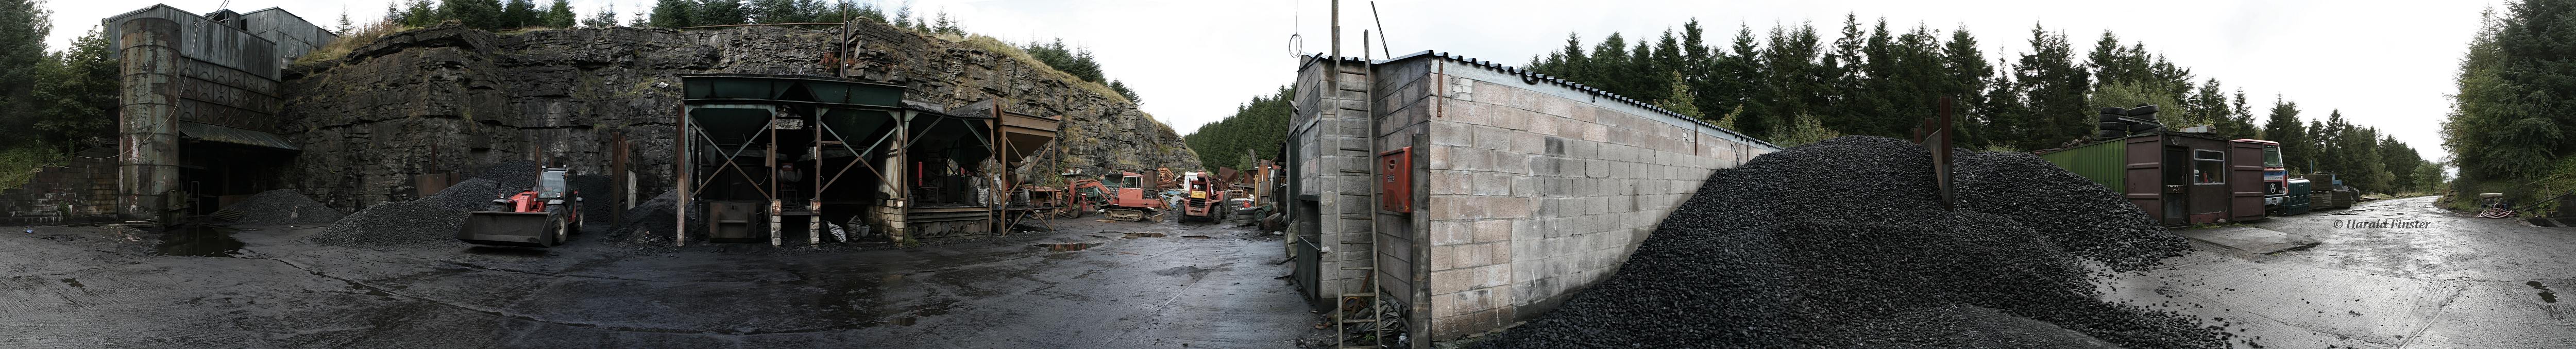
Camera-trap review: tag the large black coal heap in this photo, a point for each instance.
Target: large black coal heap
(1841, 244)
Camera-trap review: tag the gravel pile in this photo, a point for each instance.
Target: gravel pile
(284, 206)
(430, 222)
(1840, 244)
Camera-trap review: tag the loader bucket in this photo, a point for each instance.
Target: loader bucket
(530, 229)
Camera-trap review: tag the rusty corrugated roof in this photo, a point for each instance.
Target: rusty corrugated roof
(234, 135)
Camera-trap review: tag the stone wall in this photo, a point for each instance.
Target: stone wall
(449, 99)
(80, 190)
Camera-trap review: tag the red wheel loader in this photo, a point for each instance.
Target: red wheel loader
(1207, 198)
(544, 216)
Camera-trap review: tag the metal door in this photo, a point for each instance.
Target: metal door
(1304, 228)
(2176, 184)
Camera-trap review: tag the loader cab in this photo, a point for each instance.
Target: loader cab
(551, 183)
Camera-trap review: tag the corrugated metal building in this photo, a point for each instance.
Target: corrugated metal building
(197, 118)
(2180, 178)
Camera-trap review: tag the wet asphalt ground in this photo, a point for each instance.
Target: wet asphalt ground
(1085, 285)
(2457, 282)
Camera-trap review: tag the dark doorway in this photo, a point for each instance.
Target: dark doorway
(2177, 179)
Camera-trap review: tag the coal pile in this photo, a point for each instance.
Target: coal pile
(2113, 232)
(511, 175)
(1841, 244)
(650, 223)
(430, 222)
(284, 206)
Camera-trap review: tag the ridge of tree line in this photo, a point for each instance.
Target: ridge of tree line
(1790, 87)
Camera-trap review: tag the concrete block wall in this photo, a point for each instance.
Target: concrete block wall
(81, 190)
(1333, 123)
(1535, 190)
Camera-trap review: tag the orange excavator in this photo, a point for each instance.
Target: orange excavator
(1124, 198)
(542, 216)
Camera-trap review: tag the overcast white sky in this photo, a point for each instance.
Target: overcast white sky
(2386, 64)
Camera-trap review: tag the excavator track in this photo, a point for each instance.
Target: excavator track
(1125, 214)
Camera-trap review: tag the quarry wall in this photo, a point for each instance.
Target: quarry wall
(454, 100)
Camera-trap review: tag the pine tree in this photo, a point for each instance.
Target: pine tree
(2056, 87)
(559, 14)
(641, 18)
(393, 12)
(675, 14)
(344, 22)
(478, 14)
(1969, 74)
(1737, 76)
(1123, 91)
(606, 17)
(2284, 127)
(23, 27)
(776, 11)
(517, 14)
(718, 12)
(421, 13)
(946, 25)
(903, 15)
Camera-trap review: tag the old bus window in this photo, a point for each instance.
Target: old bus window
(2208, 167)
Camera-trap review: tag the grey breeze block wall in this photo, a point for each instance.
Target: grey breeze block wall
(80, 190)
(1527, 188)
(1332, 154)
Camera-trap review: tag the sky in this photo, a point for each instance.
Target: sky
(2385, 64)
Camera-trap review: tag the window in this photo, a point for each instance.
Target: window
(2208, 167)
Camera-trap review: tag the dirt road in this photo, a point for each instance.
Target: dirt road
(88, 287)
(2452, 282)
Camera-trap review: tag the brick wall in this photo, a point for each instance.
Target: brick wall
(80, 190)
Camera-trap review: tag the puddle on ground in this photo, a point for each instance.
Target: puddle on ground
(199, 241)
(1066, 247)
(905, 321)
(2545, 294)
(1144, 235)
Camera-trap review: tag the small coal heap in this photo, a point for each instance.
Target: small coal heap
(430, 222)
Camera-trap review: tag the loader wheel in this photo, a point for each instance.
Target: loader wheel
(561, 230)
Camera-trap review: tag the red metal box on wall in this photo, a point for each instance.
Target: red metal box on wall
(1395, 180)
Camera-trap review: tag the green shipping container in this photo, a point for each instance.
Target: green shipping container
(2103, 162)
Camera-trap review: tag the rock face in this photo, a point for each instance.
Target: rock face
(454, 100)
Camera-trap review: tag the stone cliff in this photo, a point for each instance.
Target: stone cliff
(454, 100)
